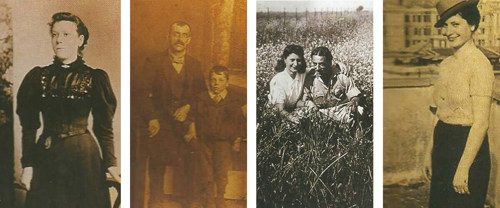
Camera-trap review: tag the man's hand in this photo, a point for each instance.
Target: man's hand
(237, 145)
(154, 127)
(310, 104)
(181, 113)
(26, 177)
(115, 173)
(191, 134)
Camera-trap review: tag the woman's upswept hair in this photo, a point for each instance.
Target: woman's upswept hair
(80, 26)
(289, 49)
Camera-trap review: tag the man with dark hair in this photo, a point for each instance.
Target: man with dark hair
(220, 129)
(175, 79)
(333, 92)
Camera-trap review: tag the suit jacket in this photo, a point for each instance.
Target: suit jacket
(223, 121)
(161, 104)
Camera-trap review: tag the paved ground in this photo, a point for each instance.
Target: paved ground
(415, 196)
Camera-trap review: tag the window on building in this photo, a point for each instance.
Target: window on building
(407, 18)
(419, 18)
(415, 31)
(427, 31)
(483, 31)
(439, 31)
(414, 18)
(427, 18)
(407, 43)
(407, 31)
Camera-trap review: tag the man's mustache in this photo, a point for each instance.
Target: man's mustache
(179, 42)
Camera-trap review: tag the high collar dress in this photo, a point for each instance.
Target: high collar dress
(68, 168)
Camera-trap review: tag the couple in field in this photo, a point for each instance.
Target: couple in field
(324, 87)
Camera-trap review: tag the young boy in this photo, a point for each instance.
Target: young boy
(220, 128)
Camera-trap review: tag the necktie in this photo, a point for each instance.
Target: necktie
(217, 98)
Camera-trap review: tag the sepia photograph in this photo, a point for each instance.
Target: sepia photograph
(441, 73)
(59, 104)
(188, 103)
(314, 103)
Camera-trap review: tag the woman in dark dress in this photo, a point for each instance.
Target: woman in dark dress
(64, 168)
(462, 94)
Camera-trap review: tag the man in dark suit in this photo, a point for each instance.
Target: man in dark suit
(175, 78)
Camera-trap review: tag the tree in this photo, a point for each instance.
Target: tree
(360, 8)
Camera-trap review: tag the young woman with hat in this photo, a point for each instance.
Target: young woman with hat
(460, 154)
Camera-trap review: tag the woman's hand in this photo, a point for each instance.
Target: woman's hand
(461, 180)
(154, 127)
(115, 173)
(26, 177)
(310, 104)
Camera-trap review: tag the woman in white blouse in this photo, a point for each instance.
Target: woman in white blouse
(460, 154)
(286, 87)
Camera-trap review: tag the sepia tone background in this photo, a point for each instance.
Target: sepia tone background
(32, 47)
(218, 37)
(413, 48)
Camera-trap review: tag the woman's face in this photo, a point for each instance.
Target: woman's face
(66, 40)
(457, 31)
(293, 62)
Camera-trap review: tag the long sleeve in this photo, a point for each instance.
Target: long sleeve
(103, 110)
(28, 109)
(152, 105)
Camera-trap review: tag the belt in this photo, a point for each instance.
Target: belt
(50, 136)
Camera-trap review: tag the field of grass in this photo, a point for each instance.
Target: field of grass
(318, 162)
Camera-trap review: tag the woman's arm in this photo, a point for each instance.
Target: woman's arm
(103, 110)
(28, 109)
(481, 110)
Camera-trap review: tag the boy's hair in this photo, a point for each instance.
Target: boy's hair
(219, 70)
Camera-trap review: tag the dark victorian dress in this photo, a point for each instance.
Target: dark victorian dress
(68, 169)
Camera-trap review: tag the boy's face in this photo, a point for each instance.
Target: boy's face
(218, 82)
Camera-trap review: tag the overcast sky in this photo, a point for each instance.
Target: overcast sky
(290, 5)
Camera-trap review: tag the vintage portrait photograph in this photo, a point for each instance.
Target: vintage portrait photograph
(441, 73)
(314, 103)
(188, 103)
(59, 104)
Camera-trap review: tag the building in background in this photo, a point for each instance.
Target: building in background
(411, 24)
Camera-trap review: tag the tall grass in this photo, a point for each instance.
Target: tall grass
(317, 162)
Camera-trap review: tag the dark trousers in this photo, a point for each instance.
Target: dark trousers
(138, 172)
(180, 159)
(449, 145)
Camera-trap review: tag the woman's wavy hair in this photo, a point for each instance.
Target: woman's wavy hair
(80, 26)
(289, 49)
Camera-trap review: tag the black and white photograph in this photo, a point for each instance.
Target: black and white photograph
(441, 89)
(314, 103)
(60, 104)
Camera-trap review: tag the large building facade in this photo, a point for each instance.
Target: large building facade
(411, 25)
